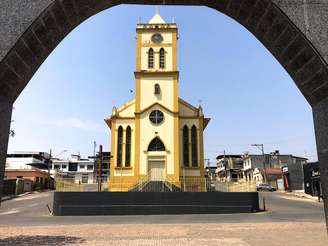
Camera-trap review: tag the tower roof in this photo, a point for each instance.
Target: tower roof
(157, 19)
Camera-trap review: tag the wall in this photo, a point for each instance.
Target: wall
(166, 44)
(165, 131)
(148, 97)
(133, 203)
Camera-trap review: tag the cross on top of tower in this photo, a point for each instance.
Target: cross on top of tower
(157, 18)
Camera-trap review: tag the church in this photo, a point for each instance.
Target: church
(157, 136)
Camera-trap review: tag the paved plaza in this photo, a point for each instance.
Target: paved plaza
(289, 221)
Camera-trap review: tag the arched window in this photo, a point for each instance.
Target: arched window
(157, 89)
(128, 147)
(119, 146)
(156, 145)
(186, 146)
(150, 58)
(162, 58)
(194, 149)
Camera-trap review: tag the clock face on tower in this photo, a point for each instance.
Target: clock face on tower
(157, 38)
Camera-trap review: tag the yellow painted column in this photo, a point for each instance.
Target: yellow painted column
(138, 52)
(176, 132)
(201, 146)
(174, 46)
(137, 147)
(176, 149)
(137, 107)
(113, 152)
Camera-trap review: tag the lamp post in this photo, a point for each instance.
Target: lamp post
(261, 147)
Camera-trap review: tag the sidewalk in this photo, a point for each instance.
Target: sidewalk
(10, 197)
(301, 195)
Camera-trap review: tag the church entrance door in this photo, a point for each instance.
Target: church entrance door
(156, 170)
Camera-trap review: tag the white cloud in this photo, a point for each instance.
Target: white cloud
(73, 122)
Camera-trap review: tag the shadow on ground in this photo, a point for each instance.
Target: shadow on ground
(40, 240)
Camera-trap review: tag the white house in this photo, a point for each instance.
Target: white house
(82, 170)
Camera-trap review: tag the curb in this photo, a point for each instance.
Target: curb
(302, 196)
(6, 198)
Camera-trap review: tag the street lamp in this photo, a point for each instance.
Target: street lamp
(261, 147)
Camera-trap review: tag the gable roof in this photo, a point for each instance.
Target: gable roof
(126, 105)
(156, 104)
(193, 108)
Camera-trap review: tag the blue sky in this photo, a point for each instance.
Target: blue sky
(240, 85)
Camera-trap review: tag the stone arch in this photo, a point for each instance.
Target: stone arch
(22, 54)
(262, 18)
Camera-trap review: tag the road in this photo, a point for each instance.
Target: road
(289, 221)
(32, 210)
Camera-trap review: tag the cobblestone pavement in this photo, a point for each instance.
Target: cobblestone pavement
(225, 234)
(25, 221)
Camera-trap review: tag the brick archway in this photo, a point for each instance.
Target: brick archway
(303, 60)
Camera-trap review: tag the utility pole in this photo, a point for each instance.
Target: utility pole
(94, 161)
(208, 166)
(208, 174)
(100, 156)
(225, 166)
(261, 147)
(49, 163)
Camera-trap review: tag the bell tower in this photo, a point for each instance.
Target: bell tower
(156, 56)
(157, 91)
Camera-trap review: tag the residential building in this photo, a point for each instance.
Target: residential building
(293, 177)
(229, 167)
(27, 160)
(29, 165)
(156, 134)
(38, 178)
(312, 183)
(77, 168)
(271, 175)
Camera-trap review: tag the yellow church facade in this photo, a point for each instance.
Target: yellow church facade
(156, 136)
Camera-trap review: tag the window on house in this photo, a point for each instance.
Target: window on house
(82, 166)
(186, 146)
(56, 167)
(119, 146)
(64, 166)
(90, 167)
(162, 58)
(128, 147)
(156, 145)
(150, 58)
(194, 149)
(72, 167)
(85, 178)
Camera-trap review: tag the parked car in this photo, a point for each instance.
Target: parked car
(265, 187)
